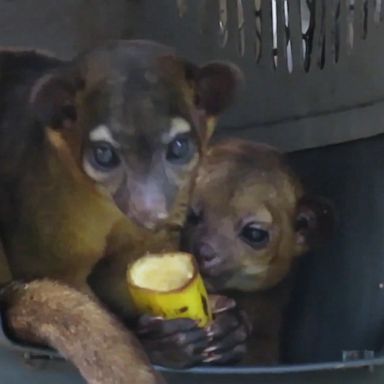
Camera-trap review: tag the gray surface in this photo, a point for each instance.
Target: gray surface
(339, 297)
(15, 370)
(64, 26)
(276, 106)
(352, 376)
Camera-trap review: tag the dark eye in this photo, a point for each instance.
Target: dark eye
(254, 236)
(104, 156)
(302, 223)
(180, 150)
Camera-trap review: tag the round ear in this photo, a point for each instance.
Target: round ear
(217, 84)
(315, 221)
(52, 99)
(213, 86)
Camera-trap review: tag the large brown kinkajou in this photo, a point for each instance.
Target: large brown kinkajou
(250, 219)
(98, 156)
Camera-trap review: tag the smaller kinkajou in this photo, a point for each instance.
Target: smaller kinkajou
(249, 221)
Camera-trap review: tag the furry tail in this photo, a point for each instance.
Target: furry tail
(51, 313)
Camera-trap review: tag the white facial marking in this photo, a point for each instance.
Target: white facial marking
(178, 126)
(102, 133)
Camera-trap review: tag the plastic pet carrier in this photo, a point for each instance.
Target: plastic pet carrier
(314, 74)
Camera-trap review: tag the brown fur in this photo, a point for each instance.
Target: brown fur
(265, 310)
(247, 185)
(50, 313)
(64, 218)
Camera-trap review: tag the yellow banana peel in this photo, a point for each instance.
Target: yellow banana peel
(169, 285)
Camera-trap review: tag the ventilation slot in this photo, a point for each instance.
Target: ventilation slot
(223, 22)
(241, 27)
(274, 35)
(365, 19)
(288, 35)
(257, 29)
(307, 29)
(350, 25)
(336, 33)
